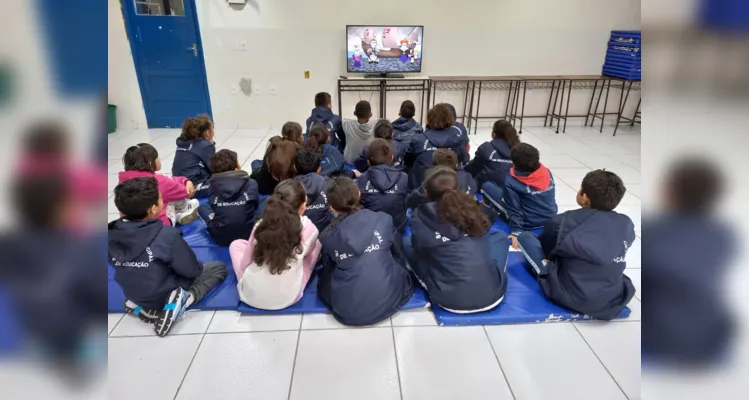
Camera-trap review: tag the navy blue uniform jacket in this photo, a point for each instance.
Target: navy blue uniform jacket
(234, 199)
(332, 162)
(399, 152)
(586, 249)
(527, 207)
(150, 260)
(364, 279)
(458, 270)
(191, 159)
(318, 210)
(491, 163)
(423, 146)
(405, 128)
(384, 188)
(332, 122)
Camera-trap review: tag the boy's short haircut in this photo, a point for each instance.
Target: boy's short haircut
(343, 194)
(223, 161)
(136, 196)
(363, 109)
(383, 129)
(693, 185)
(440, 117)
(604, 189)
(379, 152)
(408, 109)
(306, 161)
(525, 158)
(445, 157)
(322, 99)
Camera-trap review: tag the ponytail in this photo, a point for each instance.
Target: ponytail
(504, 130)
(195, 128)
(141, 157)
(343, 197)
(317, 137)
(278, 235)
(453, 205)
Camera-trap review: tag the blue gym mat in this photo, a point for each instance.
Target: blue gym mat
(524, 302)
(310, 303)
(11, 332)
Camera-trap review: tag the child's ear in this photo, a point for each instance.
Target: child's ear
(319, 169)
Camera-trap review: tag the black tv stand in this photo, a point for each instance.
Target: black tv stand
(384, 75)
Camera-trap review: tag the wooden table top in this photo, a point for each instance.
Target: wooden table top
(474, 78)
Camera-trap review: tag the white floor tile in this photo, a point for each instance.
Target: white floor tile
(635, 189)
(546, 361)
(166, 144)
(193, 322)
(243, 146)
(617, 345)
(420, 317)
(633, 212)
(112, 321)
(112, 217)
(635, 306)
(233, 321)
(634, 255)
(111, 208)
(564, 194)
(571, 176)
(346, 364)
(112, 181)
(327, 321)
(633, 160)
(148, 368)
(556, 161)
(241, 366)
(251, 133)
(636, 276)
(448, 363)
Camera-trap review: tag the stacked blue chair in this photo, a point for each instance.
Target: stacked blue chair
(624, 56)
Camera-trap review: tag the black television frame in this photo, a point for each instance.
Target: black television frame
(345, 48)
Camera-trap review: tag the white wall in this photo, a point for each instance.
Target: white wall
(123, 91)
(287, 37)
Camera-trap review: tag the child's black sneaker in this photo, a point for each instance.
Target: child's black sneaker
(147, 316)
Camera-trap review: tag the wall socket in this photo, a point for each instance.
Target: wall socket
(256, 91)
(272, 89)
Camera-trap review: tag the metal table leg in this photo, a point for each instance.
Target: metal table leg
(592, 95)
(465, 104)
(339, 99)
(563, 85)
(522, 109)
(622, 105)
(478, 105)
(507, 106)
(605, 104)
(548, 106)
(567, 108)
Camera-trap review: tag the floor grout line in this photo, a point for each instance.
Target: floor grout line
(187, 371)
(397, 364)
(296, 354)
(509, 386)
(109, 334)
(600, 361)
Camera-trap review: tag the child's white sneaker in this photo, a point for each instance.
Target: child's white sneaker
(188, 212)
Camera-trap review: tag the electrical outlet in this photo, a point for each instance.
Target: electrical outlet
(256, 91)
(242, 45)
(272, 89)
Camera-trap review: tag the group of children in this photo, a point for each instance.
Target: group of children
(302, 204)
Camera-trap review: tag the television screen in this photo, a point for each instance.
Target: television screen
(383, 49)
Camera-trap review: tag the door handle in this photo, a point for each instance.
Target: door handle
(194, 49)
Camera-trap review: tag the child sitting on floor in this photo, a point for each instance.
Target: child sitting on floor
(384, 187)
(440, 134)
(274, 265)
(579, 257)
(195, 146)
(233, 199)
(364, 279)
(444, 158)
(143, 160)
(157, 271)
(529, 192)
(323, 113)
(492, 161)
(307, 162)
(277, 164)
(290, 131)
(331, 160)
(405, 126)
(383, 130)
(359, 131)
(458, 262)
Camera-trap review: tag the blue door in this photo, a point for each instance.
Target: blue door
(168, 58)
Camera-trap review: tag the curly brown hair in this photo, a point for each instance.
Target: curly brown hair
(440, 117)
(453, 205)
(445, 157)
(292, 131)
(196, 128)
(278, 235)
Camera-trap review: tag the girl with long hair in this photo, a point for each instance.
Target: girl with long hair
(195, 146)
(492, 161)
(277, 165)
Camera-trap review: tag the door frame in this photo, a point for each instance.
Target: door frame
(199, 42)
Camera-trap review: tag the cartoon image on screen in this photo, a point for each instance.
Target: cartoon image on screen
(383, 49)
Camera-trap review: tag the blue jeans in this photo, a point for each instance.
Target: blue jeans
(499, 248)
(494, 194)
(533, 252)
(205, 212)
(255, 165)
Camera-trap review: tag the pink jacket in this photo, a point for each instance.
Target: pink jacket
(172, 189)
(259, 288)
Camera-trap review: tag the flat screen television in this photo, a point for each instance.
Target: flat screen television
(376, 49)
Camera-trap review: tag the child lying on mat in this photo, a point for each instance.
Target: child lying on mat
(274, 265)
(459, 263)
(157, 271)
(579, 257)
(142, 160)
(364, 279)
(232, 200)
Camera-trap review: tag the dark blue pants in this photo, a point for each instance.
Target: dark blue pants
(494, 194)
(205, 212)
(533, 252)
(202, 192)
(255, 165)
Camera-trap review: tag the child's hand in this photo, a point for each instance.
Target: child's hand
(357, 173)
(514, 244)
(190, 188)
